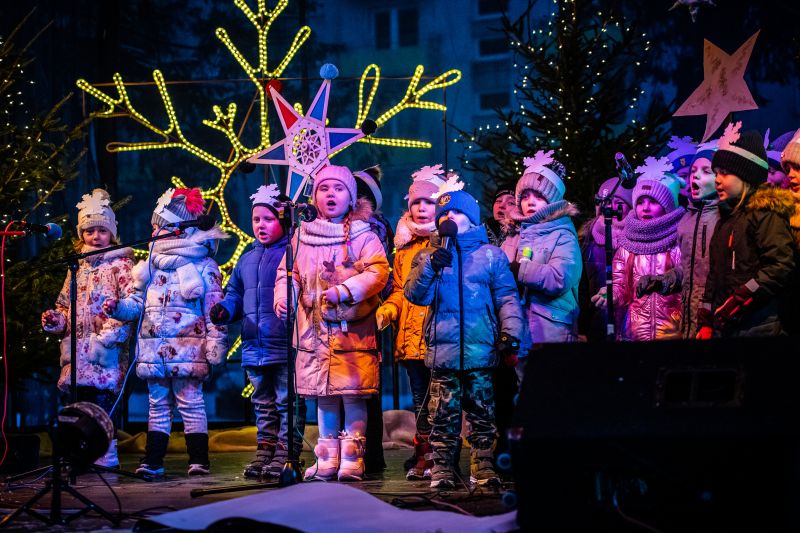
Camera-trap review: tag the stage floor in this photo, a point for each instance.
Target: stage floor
(139, 499)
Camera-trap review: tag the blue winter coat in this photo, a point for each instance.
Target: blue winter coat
(491, 303)
(249, 297)
(550, 279)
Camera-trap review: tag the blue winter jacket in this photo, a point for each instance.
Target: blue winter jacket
(249, 297)
(491, 303)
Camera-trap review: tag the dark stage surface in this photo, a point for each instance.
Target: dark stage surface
(140, 499)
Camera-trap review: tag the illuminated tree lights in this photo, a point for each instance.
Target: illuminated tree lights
(172, 135)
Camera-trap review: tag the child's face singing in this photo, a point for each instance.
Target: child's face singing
(266, 226)
(461, 220)
(647, 208)
(530, 202)
(423, 211)
(161, 231)
(701, 180)
(502, 206)
(794, 181)
(729, 186)
(332, 200)
(96, 236)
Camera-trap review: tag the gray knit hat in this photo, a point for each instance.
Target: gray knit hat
(544, 175)
(177, 205)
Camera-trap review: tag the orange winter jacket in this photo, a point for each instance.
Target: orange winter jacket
(410, 341)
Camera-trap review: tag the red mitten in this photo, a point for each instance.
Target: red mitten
(705, 333)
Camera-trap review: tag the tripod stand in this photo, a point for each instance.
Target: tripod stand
(57, 484)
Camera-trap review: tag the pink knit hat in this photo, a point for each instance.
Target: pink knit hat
(427, 181)
(340, 174)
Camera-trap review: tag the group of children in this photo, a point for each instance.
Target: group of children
(463, 310)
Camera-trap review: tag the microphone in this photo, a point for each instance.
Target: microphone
(627, 179)
(204, 222)
(304, 212)
(447, 231)
(50, 230)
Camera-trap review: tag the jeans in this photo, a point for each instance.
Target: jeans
(419, 377)
(270, 401)
(187, 394)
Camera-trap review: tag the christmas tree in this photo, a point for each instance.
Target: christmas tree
(38, 155)
(578, 93)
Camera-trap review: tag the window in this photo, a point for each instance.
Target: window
(407, 23)
(492, 47)
(494, 100)
(492, 7)
(383, 30)
(396, 28)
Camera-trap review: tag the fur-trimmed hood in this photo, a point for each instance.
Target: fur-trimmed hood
(550, 212)
(363, 210)
(408, 230)
(768, 198)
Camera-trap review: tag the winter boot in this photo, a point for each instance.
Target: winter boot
(197, 448)
(421, 469)
(442, 474)
(327, 452)
(264, 453)
(274, 468)
(481, 467)
(152, 464)
(352, 465)
(110, 459)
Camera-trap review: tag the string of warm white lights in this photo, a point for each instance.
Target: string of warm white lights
(259, 74)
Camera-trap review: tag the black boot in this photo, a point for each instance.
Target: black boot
(275, 466)
(264, 453)
(197, 448)
(152, 464)
(374, 462)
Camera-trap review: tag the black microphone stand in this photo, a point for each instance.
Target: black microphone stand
(290, 475)
(609, 213)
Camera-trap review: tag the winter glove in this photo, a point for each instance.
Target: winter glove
(508, 348)
(110, 306)
(599, 300)
(648, 284)
(669, 282)
(218, 314)
(385, 315)
(441, 258)
(705, 321)
(735, 304)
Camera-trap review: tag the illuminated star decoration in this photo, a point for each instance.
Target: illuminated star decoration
(308, 142)
(723, 89)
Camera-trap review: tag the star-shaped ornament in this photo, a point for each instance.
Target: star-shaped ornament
(723, 90)
(308, 142)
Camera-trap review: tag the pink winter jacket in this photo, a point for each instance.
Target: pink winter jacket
(653, 316)
(102, 341)
(337, 352)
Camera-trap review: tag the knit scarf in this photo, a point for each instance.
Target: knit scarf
(544, 214)
(181, 255)
(407, 230)
(321, 232)
(599, 231)
(652, 236)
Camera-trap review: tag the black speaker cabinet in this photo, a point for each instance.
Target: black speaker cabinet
(672, 436)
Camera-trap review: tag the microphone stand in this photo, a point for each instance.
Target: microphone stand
(56, 484)
(290, 475)
(609, 213)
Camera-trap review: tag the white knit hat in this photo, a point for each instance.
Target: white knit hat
(95, 210)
